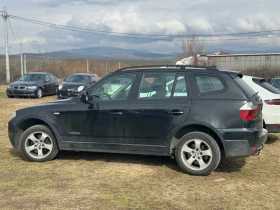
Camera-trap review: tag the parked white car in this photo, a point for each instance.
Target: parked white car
(271, 102)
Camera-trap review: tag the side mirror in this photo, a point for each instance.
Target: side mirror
(84, 97)
(64, 80)
(47, 80)
(16, 79)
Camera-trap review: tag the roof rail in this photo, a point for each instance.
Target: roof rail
(168, 66)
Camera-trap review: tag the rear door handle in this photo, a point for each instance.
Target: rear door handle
(176, 112)
(116, 113)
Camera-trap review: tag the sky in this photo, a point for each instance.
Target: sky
(150, 17)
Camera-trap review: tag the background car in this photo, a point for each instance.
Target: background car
(35, 84)
(276, 83)
(271, 106)
(75, 84)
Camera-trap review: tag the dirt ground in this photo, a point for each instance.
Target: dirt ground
(114, 181)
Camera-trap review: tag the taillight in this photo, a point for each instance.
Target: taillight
(272, 102)
(248, 111)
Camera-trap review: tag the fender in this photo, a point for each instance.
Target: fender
(36, 117)
(192, 123)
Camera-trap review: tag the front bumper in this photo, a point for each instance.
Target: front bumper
(12, 134)
(22, 93)
(67, 94)
(243, 142)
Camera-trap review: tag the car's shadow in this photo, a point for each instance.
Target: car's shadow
(226, 165)
(271, 138)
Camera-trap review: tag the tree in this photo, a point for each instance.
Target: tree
(192, 47)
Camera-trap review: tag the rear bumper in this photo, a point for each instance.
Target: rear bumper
(273, 128)
(23, 93)
(243, 142)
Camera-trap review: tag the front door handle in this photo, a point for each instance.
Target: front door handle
(116, 113)
(176, 112)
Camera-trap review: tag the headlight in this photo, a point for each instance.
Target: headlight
(81, 88)
(14, 114)
(60, 87)
(31, 87)
(10, 86)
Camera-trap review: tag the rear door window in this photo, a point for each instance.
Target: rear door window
(156, 85)
(209, 83)
(180, 87)
(53, 78)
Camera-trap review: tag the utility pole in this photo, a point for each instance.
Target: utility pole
(87, 67)
(21, 59)
(24, 64)
(106, 68)
(5, 17)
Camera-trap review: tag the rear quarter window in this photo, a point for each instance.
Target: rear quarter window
(209, 83)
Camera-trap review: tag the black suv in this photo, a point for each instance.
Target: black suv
(197, 114)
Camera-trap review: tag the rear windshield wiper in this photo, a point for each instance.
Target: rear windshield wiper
(256, 93)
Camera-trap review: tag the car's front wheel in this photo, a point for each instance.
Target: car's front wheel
(197, 153)
(38, 144)
(39, 93)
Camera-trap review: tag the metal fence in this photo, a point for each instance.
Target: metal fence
(245, 61)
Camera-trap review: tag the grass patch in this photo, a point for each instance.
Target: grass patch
(114, 181)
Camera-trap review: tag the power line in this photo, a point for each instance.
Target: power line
(157, 35)
(89, 31)
(12, 31)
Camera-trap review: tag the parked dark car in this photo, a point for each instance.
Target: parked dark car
(136, 110)
(35, 84)
(75, 84)
(276, 83)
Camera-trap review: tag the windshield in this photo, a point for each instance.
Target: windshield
(266, 86)
(276, 82)
(32, 77)
(78, 78)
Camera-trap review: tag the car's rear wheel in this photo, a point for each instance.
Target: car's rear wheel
(38, 144)
(39, 93)
(197, 153)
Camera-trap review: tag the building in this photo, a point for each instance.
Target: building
(241, 62)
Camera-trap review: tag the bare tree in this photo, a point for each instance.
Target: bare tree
(191, 47)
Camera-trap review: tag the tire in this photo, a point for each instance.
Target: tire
(197, 154)
(38, 144)
(39, 93)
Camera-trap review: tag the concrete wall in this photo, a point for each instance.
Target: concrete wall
(245, 61)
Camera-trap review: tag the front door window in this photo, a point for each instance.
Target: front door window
(115, 88)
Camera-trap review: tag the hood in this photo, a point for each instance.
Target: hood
(52, 105)
(70, 85)
(43, 108)
(26, 83)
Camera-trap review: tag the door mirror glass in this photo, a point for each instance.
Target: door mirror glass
(84, 96)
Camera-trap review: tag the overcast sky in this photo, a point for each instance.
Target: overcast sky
(159, 17)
